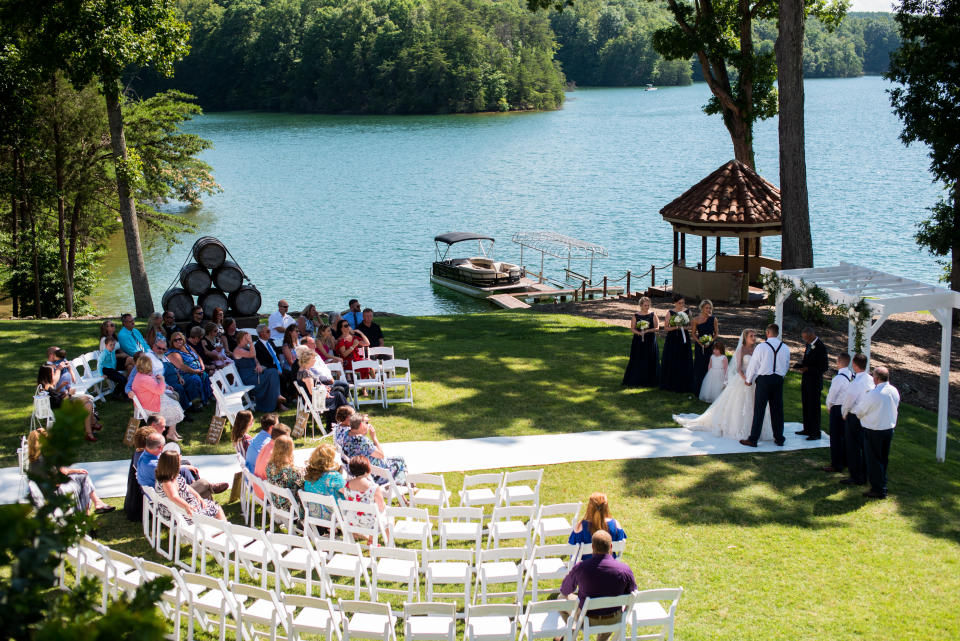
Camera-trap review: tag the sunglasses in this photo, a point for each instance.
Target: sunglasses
(178, 340)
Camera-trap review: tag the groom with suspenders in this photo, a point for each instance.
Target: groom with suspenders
(769, 365)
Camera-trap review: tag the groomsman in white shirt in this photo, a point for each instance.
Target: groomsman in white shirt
(838, 388)
(877, 410)
(768, 365)
(853, 434)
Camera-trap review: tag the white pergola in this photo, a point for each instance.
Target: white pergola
(886, 294)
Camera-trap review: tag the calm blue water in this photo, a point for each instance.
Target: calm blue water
(326, 208)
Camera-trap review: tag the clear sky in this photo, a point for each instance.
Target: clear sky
(872, 5)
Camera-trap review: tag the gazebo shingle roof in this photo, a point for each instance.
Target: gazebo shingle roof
(732, 196)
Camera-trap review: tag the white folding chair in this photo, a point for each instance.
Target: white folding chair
(306, 404)
(481, 489)
(283, 507)
(148, 516)
(508, 523)
(210, 604)
(500, 566)
(42, 412)
(294, 553)
(555, 520)
(173, 599)
(212, 536)
(252, 548)
(138, 412)
(321, 511)
(159, 519)
(393, 491)
(257, 607)
(396, 376)
(461, 524)
(380, 353)
(448, 567)
(647, 611)
(491, 623)
(310, 615)
(409, 524)
(366, 620)
(617, 630)
(93, 561)
(395, 565)
(427, 489)
(232, 378)
(429, 622)
(547, 563)
(255, 498)
(85, 380)
(522, 486)
(354, 513)
(618, 547)
(548, 620)
(344, 559)
(123, 573)
(340, 375)
(373, 384)
(229, 403)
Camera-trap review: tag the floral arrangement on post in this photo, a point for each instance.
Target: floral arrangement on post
(859, 314)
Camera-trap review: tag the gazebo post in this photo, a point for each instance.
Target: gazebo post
(676, 247)
(945, 316)
(704, 263)
(745, 289)
(718, 251)
(683, 248)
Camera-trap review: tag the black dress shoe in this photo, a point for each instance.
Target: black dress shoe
(813, 438)
(780, 442)
(747, 442)
(872, 494)
(850, 481)
(802, 432)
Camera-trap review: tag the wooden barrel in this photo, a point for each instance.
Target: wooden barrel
(179, 301)
(245, 301)
(228, 277)
(210, 300)
(195, 279)
(209, 252)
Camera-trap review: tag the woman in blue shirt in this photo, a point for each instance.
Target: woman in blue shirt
(596, 518)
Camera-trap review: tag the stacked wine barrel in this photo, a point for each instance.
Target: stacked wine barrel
(214, 281)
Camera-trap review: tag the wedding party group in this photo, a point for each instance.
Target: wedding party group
(746, 392)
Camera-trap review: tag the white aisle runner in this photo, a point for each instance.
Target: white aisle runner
(462, 455)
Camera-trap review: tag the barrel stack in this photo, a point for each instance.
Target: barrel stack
(213, 281)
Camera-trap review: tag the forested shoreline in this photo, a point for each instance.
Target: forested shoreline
(454, 56)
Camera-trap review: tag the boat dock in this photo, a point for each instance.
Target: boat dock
(542, 292)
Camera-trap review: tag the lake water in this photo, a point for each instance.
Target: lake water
(326, 208)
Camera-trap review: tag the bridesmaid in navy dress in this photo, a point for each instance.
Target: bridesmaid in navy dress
(703, 325)
(676, 369)
(643, 370)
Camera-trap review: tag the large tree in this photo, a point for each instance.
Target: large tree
(927, 100)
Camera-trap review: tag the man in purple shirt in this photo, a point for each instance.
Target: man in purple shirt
(600, 575)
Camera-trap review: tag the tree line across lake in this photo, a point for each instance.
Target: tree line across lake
(451, 56)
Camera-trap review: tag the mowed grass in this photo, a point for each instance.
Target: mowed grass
(766, 545)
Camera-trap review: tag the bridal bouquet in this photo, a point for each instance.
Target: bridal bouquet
(706, 339)
(680, 320)
(642, 325)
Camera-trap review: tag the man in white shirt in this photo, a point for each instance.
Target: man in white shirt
(838, 387)
(853, 431)
(279, 321)
(768, 365)
(877, 410)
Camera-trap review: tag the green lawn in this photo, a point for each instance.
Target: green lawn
(766, 545)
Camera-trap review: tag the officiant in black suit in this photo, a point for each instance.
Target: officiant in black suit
(812, 366)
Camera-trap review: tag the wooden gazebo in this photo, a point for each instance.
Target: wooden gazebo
(733, 201)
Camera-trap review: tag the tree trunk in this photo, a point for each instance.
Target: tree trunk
(955, 250)
(128, 208)
(65, 273)
(797, 245)
(15, 213)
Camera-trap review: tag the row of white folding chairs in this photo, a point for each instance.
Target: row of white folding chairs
(385, 375)
(86, 380)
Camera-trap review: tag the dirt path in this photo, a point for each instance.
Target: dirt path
(909, 344)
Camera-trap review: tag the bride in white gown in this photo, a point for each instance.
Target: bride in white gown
(731, 415)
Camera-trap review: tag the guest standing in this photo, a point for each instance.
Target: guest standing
(838, 388)
(704, 325)
(676, 368)
(877, 410)
(643, 368)
(853, 430)
(812, 366)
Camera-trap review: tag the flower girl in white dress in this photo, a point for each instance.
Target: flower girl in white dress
(716, 378)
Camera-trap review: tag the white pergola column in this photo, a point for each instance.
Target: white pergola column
(778, 311)
(945, 316)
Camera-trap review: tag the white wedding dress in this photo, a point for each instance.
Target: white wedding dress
(731, 415)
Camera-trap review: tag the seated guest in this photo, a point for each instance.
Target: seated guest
(47, 379)
(278, 323)
(268, 359)
(266, 452)
(57, 359)
(131, 340)
(149, 389)
(169, 325)
(107, 367)
(323, 476)
(370, 329)
(291, 338)
(217, 319)
(599, 575)
(146, 466)
(309, 379)
(361, 440)
(335, 319)
(196, 320)
(281, 471)
(231, 335)
(78, 481)
(596, 519)
(124, 362)
(311, 320)
(320, 369)
(326, 345)
(350, 346)
(341, 425)
(154, 327)
(361, 489)
(133, 500)
(353, 315)
(265, 380)
(170, 484)
(190, 366)
(212, 349)
(302, 326)
(188, 387)
(267, 421)
(240, 436)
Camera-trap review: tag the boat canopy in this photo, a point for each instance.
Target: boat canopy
(550, 243)
(459, 236)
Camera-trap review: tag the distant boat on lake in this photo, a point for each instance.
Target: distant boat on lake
(650, 87)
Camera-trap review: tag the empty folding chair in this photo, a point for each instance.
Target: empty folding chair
(521, 487)
(321, 516)
(310, 615)
(283, 507)
(618, 547)
(500, 566)
(232, 378)
(481, 489)
(85, 380)
(211, 605)
(212, 537)
(340, 376)
(409, 524)
(461, 524)
(396, 376)
(253, 551)
(373, 383)
(42, 414)
(429, 622)
(491, 623)
(391, 491)
(367, 620)
(363, 521)
(547, 563)
(648, 612)
(555, 520)
(344, 559)
(448, 567)
(255, 496)
(296, 554)
(93, 561)
(229, 402)
(430, 489)
(173, 599)
(379, 353)
(123, 573)
(548, 620)
(616, 627)
(148, 516)
(509, 523)
(257, 607)
(395, 565)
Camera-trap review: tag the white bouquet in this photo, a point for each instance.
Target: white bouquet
(680, 319)
(642, 325)
(706, 339)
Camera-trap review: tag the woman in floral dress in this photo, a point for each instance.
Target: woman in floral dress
(361, 440)
(282, 472)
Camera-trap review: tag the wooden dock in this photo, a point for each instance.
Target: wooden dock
(541, 291)
(507, 301)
